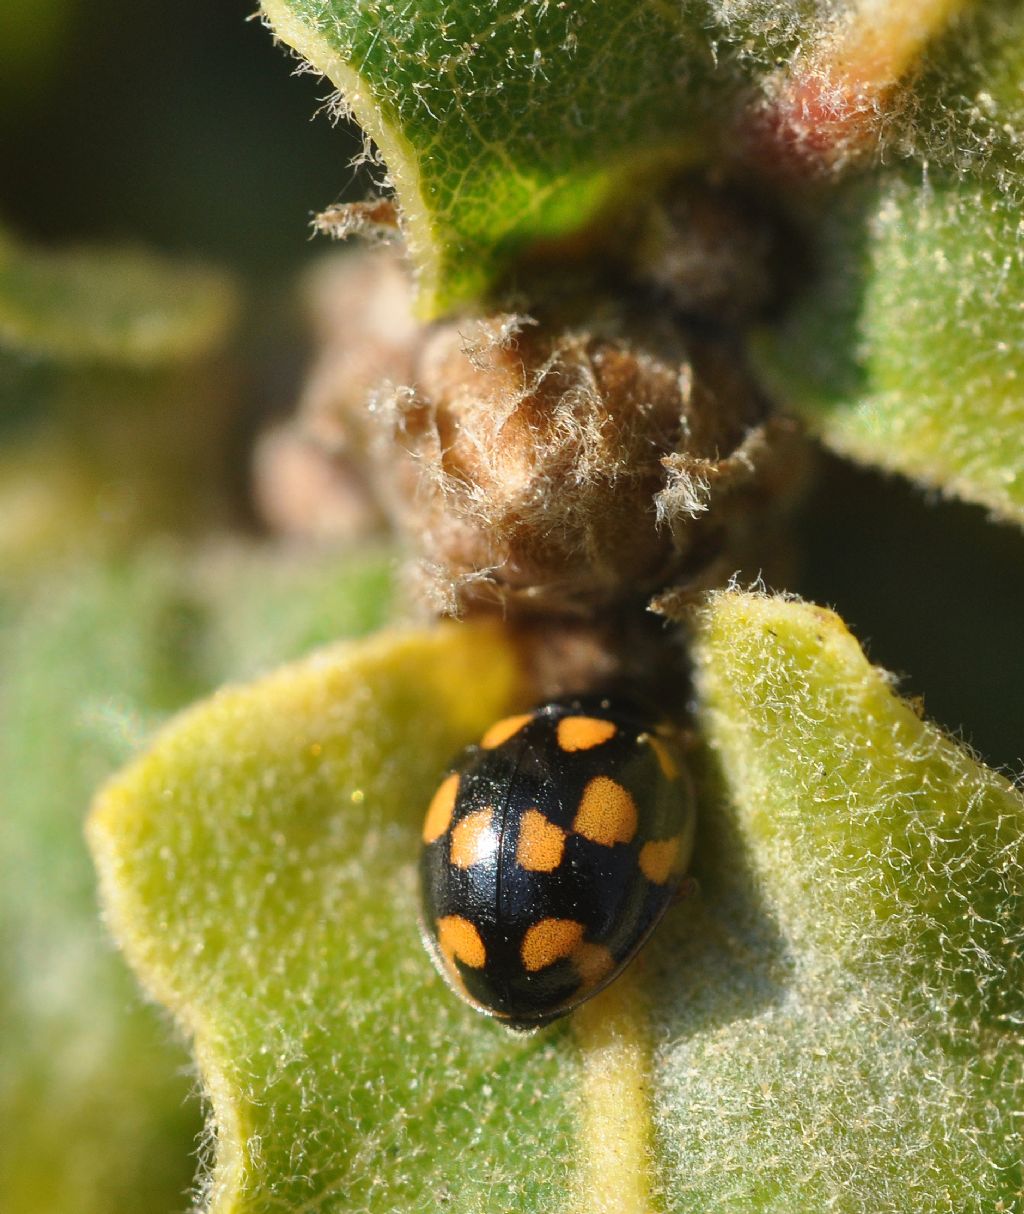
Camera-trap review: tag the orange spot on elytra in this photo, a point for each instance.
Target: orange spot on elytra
(549, 941)
(439, 815)
(583, 733)
(658, 859)
(668, 765)
(593, 963)
(460, 941)
(607, 813)
(471, 838)
(541, 843)
(503, 730)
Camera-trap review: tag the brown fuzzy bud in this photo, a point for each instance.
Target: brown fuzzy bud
(310, 475)
(302, 492)
(361, 304)
(555, 469)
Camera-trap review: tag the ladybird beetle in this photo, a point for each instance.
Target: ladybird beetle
(550, 851)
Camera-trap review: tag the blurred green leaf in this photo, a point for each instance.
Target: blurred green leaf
(114, 417)
(103, 458)
(105, 305)
(830, 1023)
(93, 1093)
(504, 125)
(907, 350)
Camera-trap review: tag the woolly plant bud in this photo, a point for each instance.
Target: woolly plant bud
(566, 468)
(309, 494)
(310, 479)
(361, 306)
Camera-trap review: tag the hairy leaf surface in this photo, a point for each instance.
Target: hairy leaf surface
(830, 1020)
(907, 351)
(505, 124)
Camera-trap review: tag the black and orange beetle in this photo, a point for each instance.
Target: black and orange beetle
(550, 851)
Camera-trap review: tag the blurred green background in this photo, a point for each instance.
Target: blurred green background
(178, 124)
(133, 579)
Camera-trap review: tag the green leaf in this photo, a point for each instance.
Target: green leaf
(257, 868)
(504, 124)
(907, 351)
(965, 111)
(830, 1023)
(846, 1032)
(97, 305)
(93, 1091)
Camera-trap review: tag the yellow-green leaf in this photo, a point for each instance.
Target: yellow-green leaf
(257, 868)
(105, 305)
